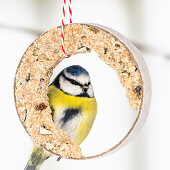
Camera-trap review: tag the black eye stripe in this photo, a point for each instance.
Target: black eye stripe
(72, 81)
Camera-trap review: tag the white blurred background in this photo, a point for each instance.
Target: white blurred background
(144, 22)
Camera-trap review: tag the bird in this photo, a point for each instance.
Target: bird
(74, 109)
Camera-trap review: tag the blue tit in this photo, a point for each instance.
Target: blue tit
(74, 108)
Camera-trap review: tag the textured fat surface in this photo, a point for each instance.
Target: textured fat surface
(36, 67)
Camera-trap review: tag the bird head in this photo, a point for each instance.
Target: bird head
(74, 80)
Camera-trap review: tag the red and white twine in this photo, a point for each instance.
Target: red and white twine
(63, 19)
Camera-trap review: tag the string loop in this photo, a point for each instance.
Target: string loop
(63, 20)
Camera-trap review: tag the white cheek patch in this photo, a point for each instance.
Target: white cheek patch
(69, 88)
(90, 91)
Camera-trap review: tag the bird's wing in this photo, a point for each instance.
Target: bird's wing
(69, 120)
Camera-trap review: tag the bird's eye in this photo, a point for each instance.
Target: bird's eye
(89, 83)
(74, 82)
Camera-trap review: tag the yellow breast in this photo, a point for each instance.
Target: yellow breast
(58, 100)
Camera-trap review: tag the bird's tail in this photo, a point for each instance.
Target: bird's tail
(38, 156)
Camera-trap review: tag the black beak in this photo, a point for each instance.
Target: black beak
(85, 88)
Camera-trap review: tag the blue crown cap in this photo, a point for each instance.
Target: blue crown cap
(76, 70)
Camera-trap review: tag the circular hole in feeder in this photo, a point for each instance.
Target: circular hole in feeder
(114, 115)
